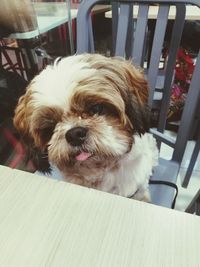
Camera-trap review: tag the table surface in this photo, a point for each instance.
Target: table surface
(44, 222)
(192, 12)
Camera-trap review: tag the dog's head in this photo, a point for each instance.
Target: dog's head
(84, 108)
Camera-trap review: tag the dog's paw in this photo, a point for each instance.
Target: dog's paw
(143, 194)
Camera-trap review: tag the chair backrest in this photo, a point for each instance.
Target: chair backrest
(131, 39)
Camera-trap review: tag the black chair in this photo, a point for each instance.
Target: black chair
(130, 41)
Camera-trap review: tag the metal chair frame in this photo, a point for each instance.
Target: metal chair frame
(125, 33)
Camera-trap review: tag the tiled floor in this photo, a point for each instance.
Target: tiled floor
(185, 195)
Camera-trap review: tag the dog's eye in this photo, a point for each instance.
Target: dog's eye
(96, 109)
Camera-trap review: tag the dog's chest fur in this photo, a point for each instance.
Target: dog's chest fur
(123, 177)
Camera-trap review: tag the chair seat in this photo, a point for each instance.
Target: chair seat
(163, 195)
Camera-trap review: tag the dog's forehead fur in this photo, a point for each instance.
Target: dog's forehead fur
(55, 85)
(83, 76)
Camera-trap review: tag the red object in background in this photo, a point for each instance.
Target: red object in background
(183, 74)
(184, 68)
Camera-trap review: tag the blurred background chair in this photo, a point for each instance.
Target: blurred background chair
(14, 17)
(32, 34)
(11, 58)
(133, 39)
(34, 26)
(62, 9)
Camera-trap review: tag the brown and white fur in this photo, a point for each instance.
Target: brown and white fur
(88, 114)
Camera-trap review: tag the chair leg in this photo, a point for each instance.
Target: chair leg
(193, 160)
(9, 61)
(197, 207)
(194, 206)
(19, 65)
(19, 61)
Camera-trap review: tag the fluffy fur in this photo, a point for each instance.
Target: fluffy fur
(88, 116)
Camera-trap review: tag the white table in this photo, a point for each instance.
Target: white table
(192, 12)
(44, 222)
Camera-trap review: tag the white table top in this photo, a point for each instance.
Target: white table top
(45, 23)
(44, 222)
(192, 12)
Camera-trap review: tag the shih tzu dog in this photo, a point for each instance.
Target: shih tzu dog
(87, 115)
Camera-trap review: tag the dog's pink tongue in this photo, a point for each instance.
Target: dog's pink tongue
(83, 156)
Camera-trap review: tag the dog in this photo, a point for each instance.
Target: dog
(88, 116)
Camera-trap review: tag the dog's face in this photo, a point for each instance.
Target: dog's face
(84, 109)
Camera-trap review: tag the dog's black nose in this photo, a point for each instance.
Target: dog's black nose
(76, 136)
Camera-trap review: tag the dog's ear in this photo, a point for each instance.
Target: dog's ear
(22, 123)
(136, 98)
(22, 116)
(39, 158)
(138, 115)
